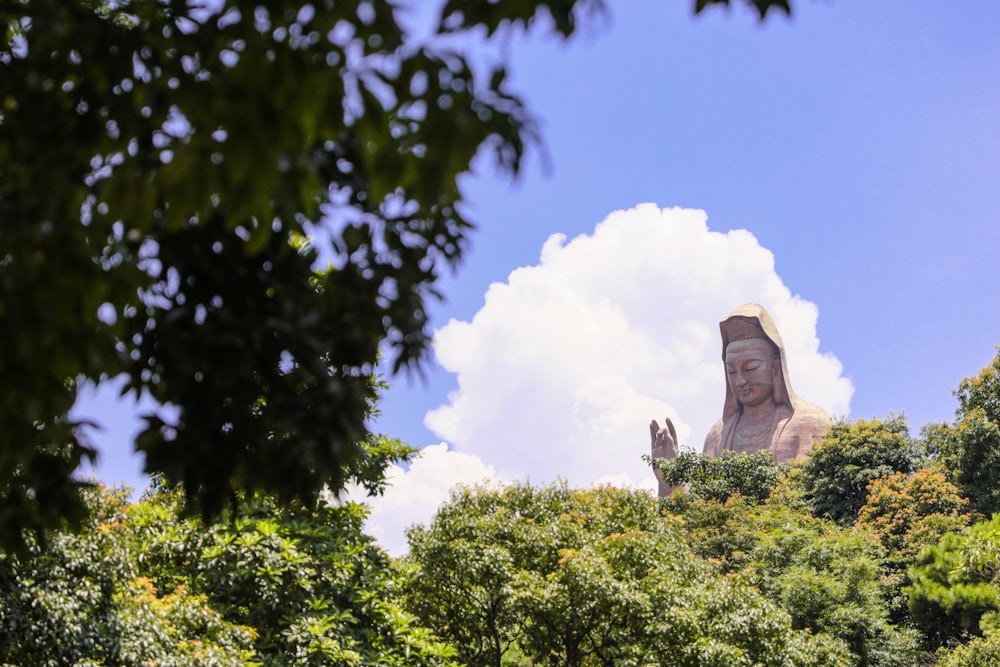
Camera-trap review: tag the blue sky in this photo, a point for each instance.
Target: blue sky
(859, 142)
(856, 143)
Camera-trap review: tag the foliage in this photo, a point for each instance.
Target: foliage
(177, 226)
(982, 391)
(956, 582)
(978, 466)
(465, 564)
(584, 577)
(762, 7)
(828, 578)
(80, 599)
(970, 449)
(588, 606)
(721, 621)
(937, 445)
(835, 478)
(141, 585)
(720, 532)
(831, 579)
(835, 583)
(310, 584)
(909, 512)
(979, 652)
(718, 477)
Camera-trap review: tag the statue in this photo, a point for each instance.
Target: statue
(761, 410)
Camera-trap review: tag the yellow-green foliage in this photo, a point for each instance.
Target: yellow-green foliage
(835, 478)
(909, 512)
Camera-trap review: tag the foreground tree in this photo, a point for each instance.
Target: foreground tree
(83, 599)
(970, 449)
(956, 583)
(160, 164)
(590, 577)
(909, 512)
(835, 478)
(141, 585)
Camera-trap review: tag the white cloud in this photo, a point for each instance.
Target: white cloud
(414, 495)
(561, 370)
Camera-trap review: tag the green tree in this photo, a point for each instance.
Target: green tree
(909, 512)
(462, 587)
(590, 577)
(140, 584)
(982, 391)
(718, 477)
(978, 652)
(721, 622)
(639, 598)
(834, 581)
(274, 584)
(80, 598)
(470, 563)
(828, 578)
(956, 582)
(836, 475)
(313, 588)
(969, 449)
(150, 233)
(590, 608)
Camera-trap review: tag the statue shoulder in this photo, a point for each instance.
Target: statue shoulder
(802, 431)
(811, 417)
(713, 441)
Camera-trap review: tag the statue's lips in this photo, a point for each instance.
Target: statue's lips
(749, 390)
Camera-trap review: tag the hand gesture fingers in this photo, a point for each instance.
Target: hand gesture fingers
(663, 441)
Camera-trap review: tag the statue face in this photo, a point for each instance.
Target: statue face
(752, 367)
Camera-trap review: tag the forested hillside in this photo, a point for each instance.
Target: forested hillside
(876, 551)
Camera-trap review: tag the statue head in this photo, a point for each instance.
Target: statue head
(756, 368)
(752, 366)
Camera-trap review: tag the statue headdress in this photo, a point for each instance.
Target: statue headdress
(749, 321)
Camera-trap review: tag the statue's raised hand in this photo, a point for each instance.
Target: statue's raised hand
(663, 445)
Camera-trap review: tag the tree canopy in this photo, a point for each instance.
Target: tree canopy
(142, 585)
(837, 473)
(734, 568)
(551, 575)
(163, 166)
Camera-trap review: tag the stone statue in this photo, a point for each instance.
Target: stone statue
(761, 411)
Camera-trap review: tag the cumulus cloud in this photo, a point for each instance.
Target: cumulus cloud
(561, 370)
(414, 495)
